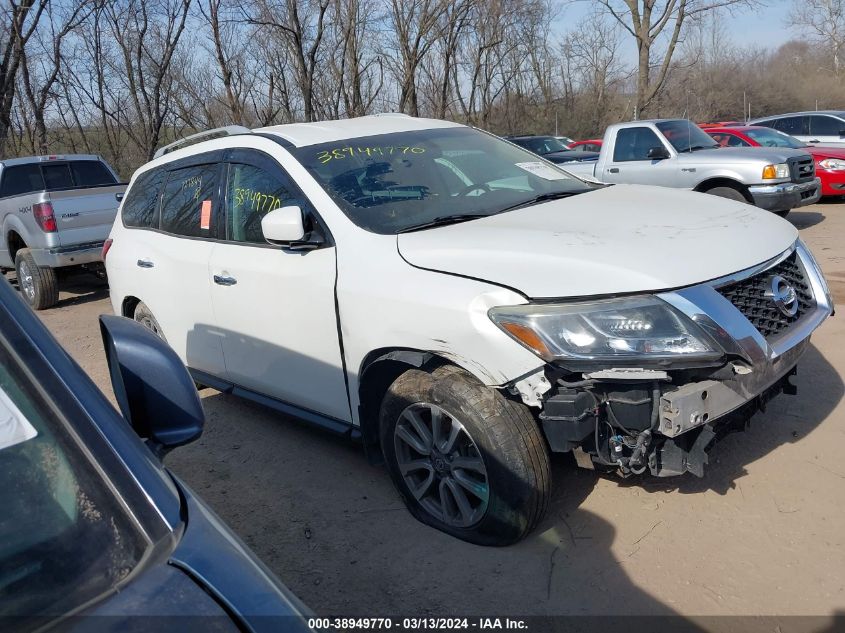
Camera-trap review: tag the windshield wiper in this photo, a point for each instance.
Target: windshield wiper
(443, 221)
(543, 197)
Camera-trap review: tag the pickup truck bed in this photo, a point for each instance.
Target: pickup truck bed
(55, 212)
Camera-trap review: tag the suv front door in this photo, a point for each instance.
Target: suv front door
(826, 130)
(275, 307)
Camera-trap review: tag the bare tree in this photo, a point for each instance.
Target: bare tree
(823, 22)
(299, 28)
(40, 68)
(19, 22)
(647, 21)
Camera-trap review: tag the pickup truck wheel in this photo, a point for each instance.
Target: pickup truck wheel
(38, 284)
(465, 459)
(143, 316)
(727, 192)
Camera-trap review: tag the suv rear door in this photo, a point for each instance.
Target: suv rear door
(169, 215)
(274, 307)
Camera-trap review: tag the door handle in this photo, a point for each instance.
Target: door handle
(224, 281)
(118, 197)
(613, 170)
(145, 263)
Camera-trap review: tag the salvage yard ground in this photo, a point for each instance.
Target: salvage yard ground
(762, 533)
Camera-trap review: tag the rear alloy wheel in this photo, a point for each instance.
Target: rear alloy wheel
(145, 317)
(38, 284)
(466, 459)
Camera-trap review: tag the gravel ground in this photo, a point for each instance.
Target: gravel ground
(762, 533)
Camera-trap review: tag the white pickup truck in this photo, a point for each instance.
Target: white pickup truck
(677, 153)
(461, 306)
(56, 212)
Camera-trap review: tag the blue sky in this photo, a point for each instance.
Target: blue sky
(764, 25)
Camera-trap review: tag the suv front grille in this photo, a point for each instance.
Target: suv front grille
(749, 297)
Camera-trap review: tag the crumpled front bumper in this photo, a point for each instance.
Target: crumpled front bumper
(757, 362)
(785, 196)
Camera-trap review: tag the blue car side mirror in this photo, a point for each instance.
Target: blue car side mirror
(154, 390)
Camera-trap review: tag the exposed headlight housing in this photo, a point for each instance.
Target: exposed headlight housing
(619, 331)
(832, 163)
(770, 172)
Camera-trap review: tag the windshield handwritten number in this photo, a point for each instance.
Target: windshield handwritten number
(339, 153)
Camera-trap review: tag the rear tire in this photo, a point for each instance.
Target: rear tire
(485, 476)
(38, 284)
(145, 317)
(727, 192)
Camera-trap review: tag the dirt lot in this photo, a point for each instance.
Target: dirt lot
(762, 533)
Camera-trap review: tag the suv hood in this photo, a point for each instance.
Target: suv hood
(615, 240)
(722, 155)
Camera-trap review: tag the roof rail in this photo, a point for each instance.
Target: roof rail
(217, 132)
(402, 114)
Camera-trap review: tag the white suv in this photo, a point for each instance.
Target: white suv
(461, 306)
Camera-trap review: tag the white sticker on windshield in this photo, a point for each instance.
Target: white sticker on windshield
(543, 170)
(14, 428)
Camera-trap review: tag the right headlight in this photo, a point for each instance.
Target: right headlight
(832, 163)
(626, 330)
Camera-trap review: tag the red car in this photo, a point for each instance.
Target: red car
(830, 161)
(593, 145)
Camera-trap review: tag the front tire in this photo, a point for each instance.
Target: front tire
(38, 284)
(465, 459)
(727, 192)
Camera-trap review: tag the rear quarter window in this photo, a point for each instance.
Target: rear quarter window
(188, 200)
(21, 179)
(141, 204)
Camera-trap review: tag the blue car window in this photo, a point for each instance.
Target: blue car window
(65, 539)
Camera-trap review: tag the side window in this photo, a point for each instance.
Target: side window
(729, 140)
(825, 126)
(792, 125)
(633, 143)
(57, 176)
(188, 200)
(21, 179)
(90, 173)
(252, 193)
(141, 204)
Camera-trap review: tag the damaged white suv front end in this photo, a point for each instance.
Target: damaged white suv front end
(644, 382)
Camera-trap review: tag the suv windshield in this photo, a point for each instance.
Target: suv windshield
(686, 136)
(64, 537)
(395, 182)
(768, 137)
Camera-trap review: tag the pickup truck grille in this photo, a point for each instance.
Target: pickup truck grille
(802, 169)
(749, 297)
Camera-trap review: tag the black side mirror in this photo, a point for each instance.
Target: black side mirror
(154, 390)
(658, 153)
(841, 133)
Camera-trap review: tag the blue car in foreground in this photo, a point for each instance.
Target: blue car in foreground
(94, 532)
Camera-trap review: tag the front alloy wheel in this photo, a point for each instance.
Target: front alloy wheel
(441, 465)
(465, 458)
